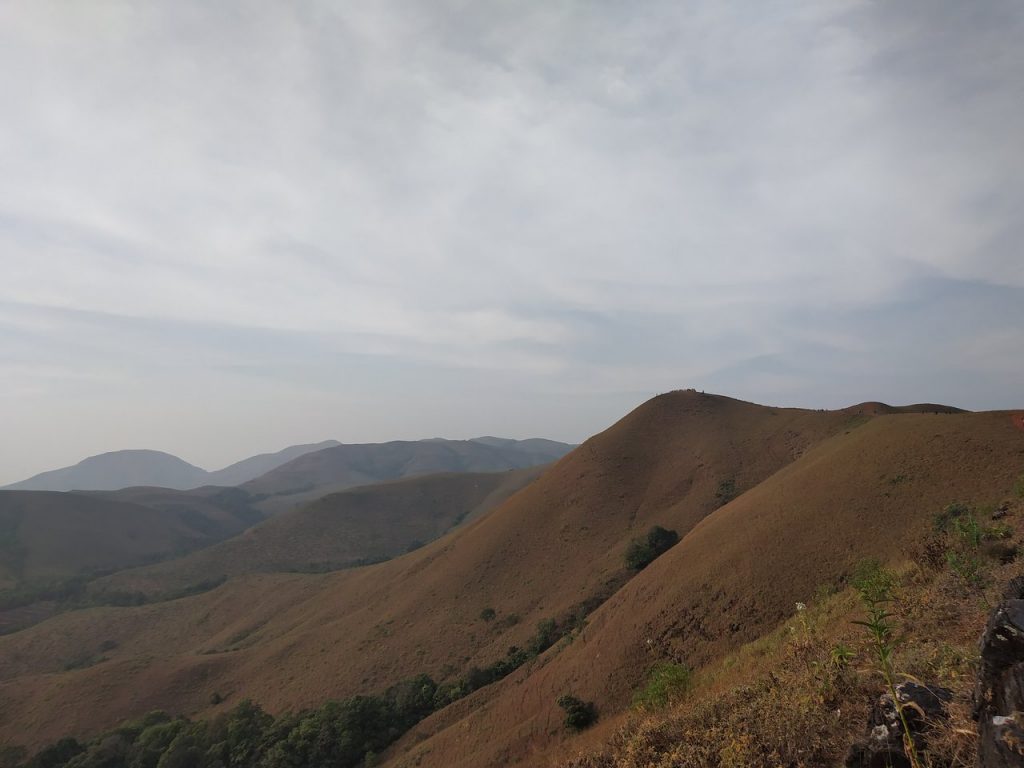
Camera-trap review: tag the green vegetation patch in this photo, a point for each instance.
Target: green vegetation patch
(666, 682)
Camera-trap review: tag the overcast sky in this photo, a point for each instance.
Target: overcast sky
(227, 227)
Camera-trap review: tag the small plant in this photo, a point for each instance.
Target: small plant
(488, 614)
(949, 514)
(579, 714)
(666, 682)
(932, 551)
(875, 585)
(998, 532)
(1018, 487)
(964, 556)
(840, 656)
(872, 581)
(967, 528)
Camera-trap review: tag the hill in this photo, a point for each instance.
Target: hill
(872, 492)
(251, 468)
(118, 469)
(352, 527)
(130, 468)
(349, 465)
(770, 504)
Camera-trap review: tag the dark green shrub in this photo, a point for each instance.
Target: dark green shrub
(642, 552)
(56, 754)
(579, 714)
(12, 757)
(488, 614)
(545, 636)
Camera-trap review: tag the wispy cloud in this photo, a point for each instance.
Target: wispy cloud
(449, 218)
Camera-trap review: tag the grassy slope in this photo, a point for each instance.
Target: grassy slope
(790, 698)
(369, 523)
(741, 571)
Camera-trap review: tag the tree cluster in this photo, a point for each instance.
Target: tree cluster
(339, 734)
(642, 552)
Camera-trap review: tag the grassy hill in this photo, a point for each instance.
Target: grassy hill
(871, 493)
(771, 504)
(359, 525)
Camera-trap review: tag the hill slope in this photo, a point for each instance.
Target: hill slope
(339, 530)
(736, 575)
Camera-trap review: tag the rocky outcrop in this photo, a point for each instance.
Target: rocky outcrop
(883, 745)
(999, 694)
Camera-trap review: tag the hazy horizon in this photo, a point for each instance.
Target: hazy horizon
(229, 228)
(221, 464)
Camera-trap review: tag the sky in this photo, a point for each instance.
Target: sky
(229, 227)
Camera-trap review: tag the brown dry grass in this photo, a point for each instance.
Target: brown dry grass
(786, 700)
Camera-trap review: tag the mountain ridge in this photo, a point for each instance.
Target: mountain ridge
(143, 467)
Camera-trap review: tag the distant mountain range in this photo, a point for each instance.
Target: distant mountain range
(126, 469)
(132, 468)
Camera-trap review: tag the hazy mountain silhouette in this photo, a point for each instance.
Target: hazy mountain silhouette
(117, 469)
(361, 464)
(126, 469)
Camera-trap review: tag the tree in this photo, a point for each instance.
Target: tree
(579, 714)
(642, 552)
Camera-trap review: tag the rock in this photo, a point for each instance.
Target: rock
(999, 693)
(883, 745)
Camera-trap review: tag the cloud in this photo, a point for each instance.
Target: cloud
(490, 203)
